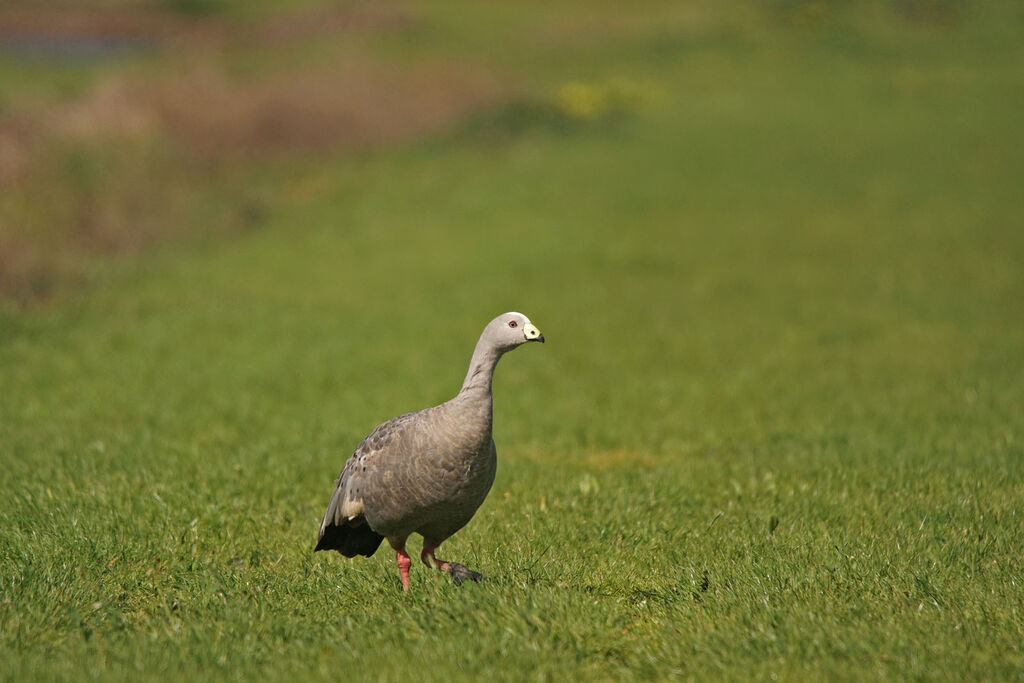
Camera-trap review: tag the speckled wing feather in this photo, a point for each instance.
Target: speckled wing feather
(344, 518)
(424, 472)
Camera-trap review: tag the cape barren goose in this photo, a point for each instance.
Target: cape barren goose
(425, 472)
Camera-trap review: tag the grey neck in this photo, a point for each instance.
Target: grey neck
(481, 368)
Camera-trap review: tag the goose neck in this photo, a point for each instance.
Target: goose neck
(481, 369)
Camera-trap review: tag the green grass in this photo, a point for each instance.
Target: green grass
(776, 428)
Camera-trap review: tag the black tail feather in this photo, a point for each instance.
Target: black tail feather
(355, 538)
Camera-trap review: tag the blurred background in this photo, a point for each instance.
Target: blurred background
(130, 123)
(760, 187)
(744, 194)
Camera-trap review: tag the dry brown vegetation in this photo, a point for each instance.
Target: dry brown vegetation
(115, 167)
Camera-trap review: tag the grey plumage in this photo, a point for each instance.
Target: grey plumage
(425, 472)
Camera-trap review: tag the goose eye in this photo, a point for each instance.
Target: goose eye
(512, 323)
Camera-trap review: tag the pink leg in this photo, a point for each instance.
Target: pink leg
(428, 558)
(404, 562)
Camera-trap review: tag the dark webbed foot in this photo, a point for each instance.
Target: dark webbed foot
(460, 573)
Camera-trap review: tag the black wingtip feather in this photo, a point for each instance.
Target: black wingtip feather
(350, 540)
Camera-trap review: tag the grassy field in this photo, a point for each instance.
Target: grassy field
(777, 428)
